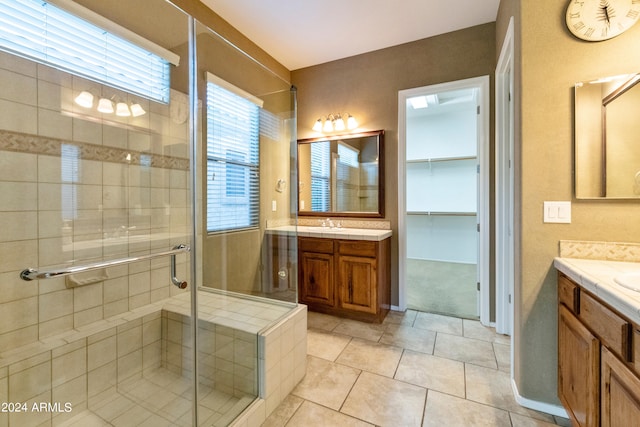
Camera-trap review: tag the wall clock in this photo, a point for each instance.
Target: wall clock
(597, 20)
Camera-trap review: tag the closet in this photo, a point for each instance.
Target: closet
(442, 202)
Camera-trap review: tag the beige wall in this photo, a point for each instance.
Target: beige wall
(367, 87)
(548, 63)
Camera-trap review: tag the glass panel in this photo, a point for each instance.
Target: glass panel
(83, 186)
(249, 272)
(79, 186)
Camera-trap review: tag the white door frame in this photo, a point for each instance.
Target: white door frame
(482, 83)
(504, 186)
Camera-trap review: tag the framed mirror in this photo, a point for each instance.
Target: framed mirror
(607, 138)
(341, 175)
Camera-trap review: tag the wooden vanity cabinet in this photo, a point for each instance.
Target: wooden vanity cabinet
(598, 351)
(349, 278)
(316, 283)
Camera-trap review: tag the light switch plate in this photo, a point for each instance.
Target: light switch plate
(558, 212)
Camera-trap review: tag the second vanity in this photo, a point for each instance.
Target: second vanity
(342, 271)
(598, 342)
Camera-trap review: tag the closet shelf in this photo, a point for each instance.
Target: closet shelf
(442, 159)
(437, 213)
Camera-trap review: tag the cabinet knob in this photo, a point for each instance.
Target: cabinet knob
(282, 273)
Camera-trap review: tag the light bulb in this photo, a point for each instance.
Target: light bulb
(105, 106)
(85, 99)
(339, 124)
(351, 122)
(122, 110)
(328, 125)
(317, 126)
(137, 110)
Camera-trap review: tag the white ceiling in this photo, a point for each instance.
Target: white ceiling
(302, 33)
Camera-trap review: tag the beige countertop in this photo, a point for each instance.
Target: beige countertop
(598, 277)
(331, 233)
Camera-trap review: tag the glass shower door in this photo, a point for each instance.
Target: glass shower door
(95, 159)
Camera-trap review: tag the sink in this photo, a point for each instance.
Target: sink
(629, 280)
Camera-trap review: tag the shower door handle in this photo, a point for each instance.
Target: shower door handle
(180, 284)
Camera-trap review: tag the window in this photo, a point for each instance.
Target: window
(320, 176)
(233, 129)
(44, 33)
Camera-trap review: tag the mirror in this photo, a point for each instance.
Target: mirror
(341, 175)
(607, 138)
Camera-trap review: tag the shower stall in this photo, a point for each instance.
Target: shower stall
(145, 159)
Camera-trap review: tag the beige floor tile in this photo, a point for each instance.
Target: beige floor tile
(400, 318)
(366, 331)
(283, 413)
(438, 323)
(326, 345)
(475, 329)
(465, 350)
(444, 410)
(385, 402)
(415, 339)
(85, 419)
(314, 415)
(434, 373)
(370, 356)
(493, 388)
(326, 383)
(503, 356)
(322, 321)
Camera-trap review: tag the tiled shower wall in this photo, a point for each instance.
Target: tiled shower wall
(76, 185)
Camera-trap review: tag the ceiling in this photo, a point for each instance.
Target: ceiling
(302, 33)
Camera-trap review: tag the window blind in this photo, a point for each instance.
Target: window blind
(233, 185)
(320, 176)
(44, 33)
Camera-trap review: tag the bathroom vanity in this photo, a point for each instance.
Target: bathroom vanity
(598, 343)
(341, 271)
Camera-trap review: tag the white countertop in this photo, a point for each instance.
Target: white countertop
(598, 278)
(331, 233)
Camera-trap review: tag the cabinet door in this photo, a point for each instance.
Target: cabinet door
(620, 393)
(317, 279)
(357, 283)
(578, 369)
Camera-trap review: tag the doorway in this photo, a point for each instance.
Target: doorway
(443, 198)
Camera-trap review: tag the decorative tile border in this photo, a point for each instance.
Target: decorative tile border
(34, 144)
(606, 251)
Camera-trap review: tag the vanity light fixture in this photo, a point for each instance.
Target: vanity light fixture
(85, 99)
(335, 123)
(122, 109)
(137, 110)
(105, 106)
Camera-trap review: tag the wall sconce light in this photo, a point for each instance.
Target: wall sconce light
(335, 123)
(106, 105)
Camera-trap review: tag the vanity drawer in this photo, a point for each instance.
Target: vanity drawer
(358, 248)
(309, 244)
(612, 329)
(568, 293)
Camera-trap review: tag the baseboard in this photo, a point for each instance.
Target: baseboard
(536, 405)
